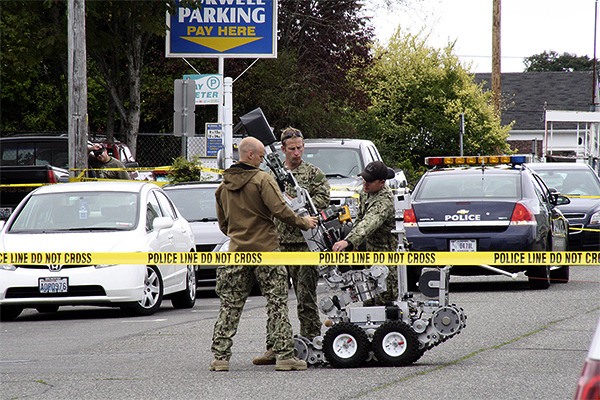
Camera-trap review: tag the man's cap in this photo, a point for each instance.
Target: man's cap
(377, 170)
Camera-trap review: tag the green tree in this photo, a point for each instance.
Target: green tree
(33, 66)
(130, 82)
(552, 61)
(319, 42)
(417, 95)
(118, 33)
(328, 38)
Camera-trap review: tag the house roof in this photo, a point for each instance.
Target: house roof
(526, 94)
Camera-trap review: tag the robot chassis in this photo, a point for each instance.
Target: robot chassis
(396, 334)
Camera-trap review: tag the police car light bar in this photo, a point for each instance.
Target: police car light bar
(476, 160)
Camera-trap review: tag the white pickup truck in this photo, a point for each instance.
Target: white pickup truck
(342, 160)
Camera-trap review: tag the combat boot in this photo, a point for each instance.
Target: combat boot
(219, 365)
(290, 364)
(266, 359)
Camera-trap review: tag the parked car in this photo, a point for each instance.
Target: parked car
(53, 149)
(31, 160)
(116, 216)
(588, 385)
(341, 160)
(493, 204)
(580, 183)
(196, 202)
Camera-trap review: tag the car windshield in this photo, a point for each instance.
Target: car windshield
(78, 211)
(195, 204)
(335, 162)
(572, 182)
(466, 186)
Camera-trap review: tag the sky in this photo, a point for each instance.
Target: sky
(528, 27)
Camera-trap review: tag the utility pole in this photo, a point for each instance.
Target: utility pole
(496, 78)
(595, 71)
(78, 116)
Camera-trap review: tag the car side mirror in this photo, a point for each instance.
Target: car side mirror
(160, 223)
(561, 200)
(556, 198)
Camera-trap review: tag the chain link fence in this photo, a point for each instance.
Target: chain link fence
(159, 149)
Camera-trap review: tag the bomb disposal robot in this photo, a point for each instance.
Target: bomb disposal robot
(397, 334)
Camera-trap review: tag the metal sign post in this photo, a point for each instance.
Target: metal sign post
(228, 121)
(184, 117)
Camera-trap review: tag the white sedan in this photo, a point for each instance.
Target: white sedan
(96, 217)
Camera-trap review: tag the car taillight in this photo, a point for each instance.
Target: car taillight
(521, 215)
(52, 177)
(410, 217)
(588, 386)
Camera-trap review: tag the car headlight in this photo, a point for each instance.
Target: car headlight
(223, 246)
(98, 266)
(595, 219)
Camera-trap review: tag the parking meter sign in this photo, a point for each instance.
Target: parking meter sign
(209, 88)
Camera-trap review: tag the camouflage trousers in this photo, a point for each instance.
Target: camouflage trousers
(233, 288)
(304, 281)
(391, 294)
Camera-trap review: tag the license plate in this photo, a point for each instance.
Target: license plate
(54, 285)
(463, 245)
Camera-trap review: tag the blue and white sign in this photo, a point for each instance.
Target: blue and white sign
(224, 28)
(209, 88)
(214, 139)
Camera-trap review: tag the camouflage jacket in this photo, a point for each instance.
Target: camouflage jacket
(312, 179)
(375, 222)
(248, 201)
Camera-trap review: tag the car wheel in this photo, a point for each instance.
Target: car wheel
(153, 294)
(560, 275)
(186, 298)
(539, 277)
(47, 308)
(396, 344)
(346, 345)
(8, 313)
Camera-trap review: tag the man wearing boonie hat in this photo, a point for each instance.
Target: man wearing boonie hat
(374, 224)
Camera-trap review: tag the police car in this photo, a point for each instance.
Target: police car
(581, 185)
(487, 203)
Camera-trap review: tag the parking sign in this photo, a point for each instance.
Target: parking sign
(231, 28)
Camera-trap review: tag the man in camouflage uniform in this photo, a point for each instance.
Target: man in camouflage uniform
(304, 277)
(374, 224)
(247, 201)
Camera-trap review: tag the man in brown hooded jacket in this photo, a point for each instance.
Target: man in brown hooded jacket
(247, 201)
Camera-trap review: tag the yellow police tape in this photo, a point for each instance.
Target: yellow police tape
(137, 169)
(584, 229)
(307, 258)
(82, 178)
